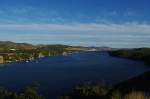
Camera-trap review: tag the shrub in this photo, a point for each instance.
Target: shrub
(136, 95)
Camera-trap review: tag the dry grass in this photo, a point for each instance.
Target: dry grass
(131, 95)
(136, 95)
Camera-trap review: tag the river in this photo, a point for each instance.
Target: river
(59, 74)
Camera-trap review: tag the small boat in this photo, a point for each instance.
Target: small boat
(27, 61)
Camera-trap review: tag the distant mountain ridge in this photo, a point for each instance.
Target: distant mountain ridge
(12, 45)
(27, 46)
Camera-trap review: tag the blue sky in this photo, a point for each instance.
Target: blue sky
(114, 23)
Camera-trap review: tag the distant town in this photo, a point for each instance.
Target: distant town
(14, 52)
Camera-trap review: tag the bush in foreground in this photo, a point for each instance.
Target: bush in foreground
(102, 91)
(131, 95)
(30, 92)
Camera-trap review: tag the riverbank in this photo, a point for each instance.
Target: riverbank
(140, 54)
(16, 52)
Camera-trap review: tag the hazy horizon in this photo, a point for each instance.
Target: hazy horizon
(74, 45)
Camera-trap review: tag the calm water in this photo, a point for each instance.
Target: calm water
(58, 75)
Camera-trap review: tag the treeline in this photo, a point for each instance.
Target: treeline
(52, 49)
(142, 54)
